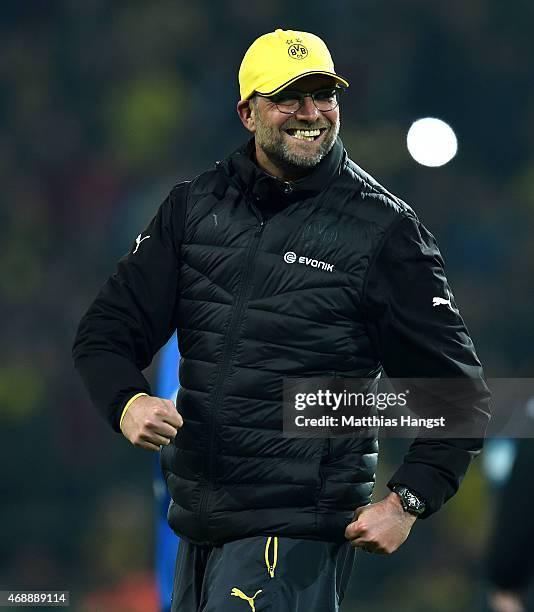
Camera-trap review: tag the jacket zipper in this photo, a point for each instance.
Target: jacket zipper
(228, 350)
(325, 455)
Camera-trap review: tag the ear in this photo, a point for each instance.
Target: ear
(247, 114)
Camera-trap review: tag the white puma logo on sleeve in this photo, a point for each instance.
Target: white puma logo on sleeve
(436, 301)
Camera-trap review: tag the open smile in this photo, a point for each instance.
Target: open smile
(306, 134)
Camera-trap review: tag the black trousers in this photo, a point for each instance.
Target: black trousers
(262, 574)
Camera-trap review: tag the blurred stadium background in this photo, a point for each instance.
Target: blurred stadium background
(103, 107)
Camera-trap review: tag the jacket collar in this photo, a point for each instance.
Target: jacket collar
(242, 168)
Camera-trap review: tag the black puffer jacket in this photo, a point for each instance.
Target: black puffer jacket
(215, 267)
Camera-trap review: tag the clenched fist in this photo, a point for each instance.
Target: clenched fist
(381, 527)
(151, 422)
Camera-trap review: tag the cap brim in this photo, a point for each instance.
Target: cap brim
(336, 78)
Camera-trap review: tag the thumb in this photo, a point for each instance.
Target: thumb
(358, 512)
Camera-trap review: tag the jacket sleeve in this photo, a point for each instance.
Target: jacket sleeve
(415, 339)
(134, 313)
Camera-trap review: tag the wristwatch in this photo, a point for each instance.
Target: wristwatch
(411, 502)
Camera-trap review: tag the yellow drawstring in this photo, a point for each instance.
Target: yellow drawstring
(271, 567)
(237, 593)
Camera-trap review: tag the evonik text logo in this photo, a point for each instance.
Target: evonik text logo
(290, 257)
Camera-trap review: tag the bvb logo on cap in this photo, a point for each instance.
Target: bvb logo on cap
(297, 50)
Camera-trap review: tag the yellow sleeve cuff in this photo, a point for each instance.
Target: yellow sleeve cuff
(128, 404)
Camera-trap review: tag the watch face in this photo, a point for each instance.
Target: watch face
(410, 501)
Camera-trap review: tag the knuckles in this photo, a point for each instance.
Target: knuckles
(355, 529)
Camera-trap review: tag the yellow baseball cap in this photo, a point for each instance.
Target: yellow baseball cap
(277, 59)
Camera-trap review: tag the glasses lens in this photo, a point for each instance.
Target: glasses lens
(326, 99)
(288, 101)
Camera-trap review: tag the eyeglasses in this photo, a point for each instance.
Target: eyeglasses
(290, 102)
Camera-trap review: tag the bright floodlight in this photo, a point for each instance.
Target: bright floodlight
(432, 142)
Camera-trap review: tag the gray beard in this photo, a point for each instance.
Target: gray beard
(280, 154)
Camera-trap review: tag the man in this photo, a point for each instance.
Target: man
(268, 521)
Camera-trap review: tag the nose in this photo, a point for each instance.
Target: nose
(308, 111)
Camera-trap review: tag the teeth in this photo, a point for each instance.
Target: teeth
(306, 134)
